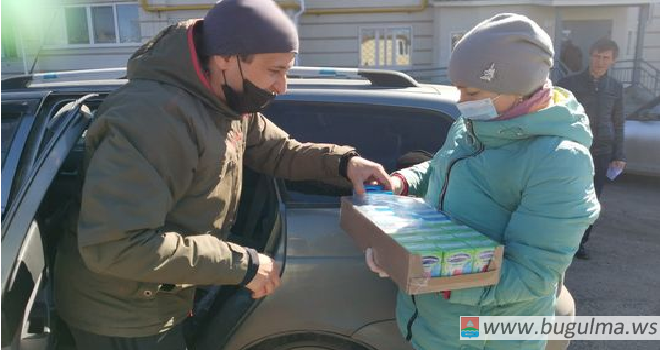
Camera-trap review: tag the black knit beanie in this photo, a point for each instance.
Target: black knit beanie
(245, 27)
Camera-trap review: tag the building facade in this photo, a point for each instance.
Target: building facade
(59, 35)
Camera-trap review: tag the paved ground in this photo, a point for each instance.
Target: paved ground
(622, 277)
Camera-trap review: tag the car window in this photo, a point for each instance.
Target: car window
(380, 133)
(17, 120)
(15, 113)
(10, 122)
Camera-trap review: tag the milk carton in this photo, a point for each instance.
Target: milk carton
(466, 234)
(396, 225)
(483, 251)
(430, 218)
(404, 238)
(456, 257)
(386, 219)
(410, 202)
(431, 257)
(376, 189)
(419, 228)
(371, 210)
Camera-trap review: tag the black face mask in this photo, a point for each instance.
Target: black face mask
(252, 100)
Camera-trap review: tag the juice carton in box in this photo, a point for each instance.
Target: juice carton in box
(483, 252)
(431, 257)
(457, 257)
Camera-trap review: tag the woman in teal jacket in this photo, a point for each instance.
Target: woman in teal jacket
(516, 167)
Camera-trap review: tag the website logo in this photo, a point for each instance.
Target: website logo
(469, 327)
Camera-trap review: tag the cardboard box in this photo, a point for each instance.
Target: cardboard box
(405, 268)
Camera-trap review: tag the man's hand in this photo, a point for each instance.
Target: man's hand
(371, 262)
(360, 170)
(618, 164)
(266, 280)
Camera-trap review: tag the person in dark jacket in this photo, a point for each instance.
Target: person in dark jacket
(163, 177)
(602, 98)
(571, 56)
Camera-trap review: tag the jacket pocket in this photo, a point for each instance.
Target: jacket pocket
(148, 291)
(233, 176)
(173, 288)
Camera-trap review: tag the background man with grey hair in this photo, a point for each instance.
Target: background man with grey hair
(602, 99)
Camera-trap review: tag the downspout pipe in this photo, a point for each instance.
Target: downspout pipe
(643, 17)
(300, 12)
(296, 17)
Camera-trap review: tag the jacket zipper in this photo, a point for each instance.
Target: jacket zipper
(480, 149)
(412, 319)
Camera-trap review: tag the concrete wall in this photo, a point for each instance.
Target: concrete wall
(450, 20)
(454, 19)
(154, 22)
(333, 40)
(328, 39)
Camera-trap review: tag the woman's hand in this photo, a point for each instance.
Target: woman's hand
(371, 262)
(397, 185)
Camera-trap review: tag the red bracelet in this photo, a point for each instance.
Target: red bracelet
(404, 183)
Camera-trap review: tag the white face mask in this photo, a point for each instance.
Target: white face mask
(478, 110)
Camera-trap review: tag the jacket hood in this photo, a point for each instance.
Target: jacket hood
(171, 58)
(565, 118)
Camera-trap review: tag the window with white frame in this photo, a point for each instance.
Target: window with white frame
(385, 46)
(96, 24)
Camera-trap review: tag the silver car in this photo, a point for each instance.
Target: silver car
(328, 298)
(642, 140)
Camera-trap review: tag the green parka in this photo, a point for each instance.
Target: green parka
(161, 191)
(525, 182)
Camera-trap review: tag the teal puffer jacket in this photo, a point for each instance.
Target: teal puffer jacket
(527, 183)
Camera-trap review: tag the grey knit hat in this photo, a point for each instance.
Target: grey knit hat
(246, 27)
(508, 54)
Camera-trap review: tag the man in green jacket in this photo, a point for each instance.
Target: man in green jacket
(163, 177)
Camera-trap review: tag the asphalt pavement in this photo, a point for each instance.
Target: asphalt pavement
(622, 276)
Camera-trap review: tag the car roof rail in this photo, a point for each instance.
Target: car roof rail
(377, 77)
(24, 81)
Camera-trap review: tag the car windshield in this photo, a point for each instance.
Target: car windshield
(10, 122)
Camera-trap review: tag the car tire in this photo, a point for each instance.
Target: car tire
(310, 341)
